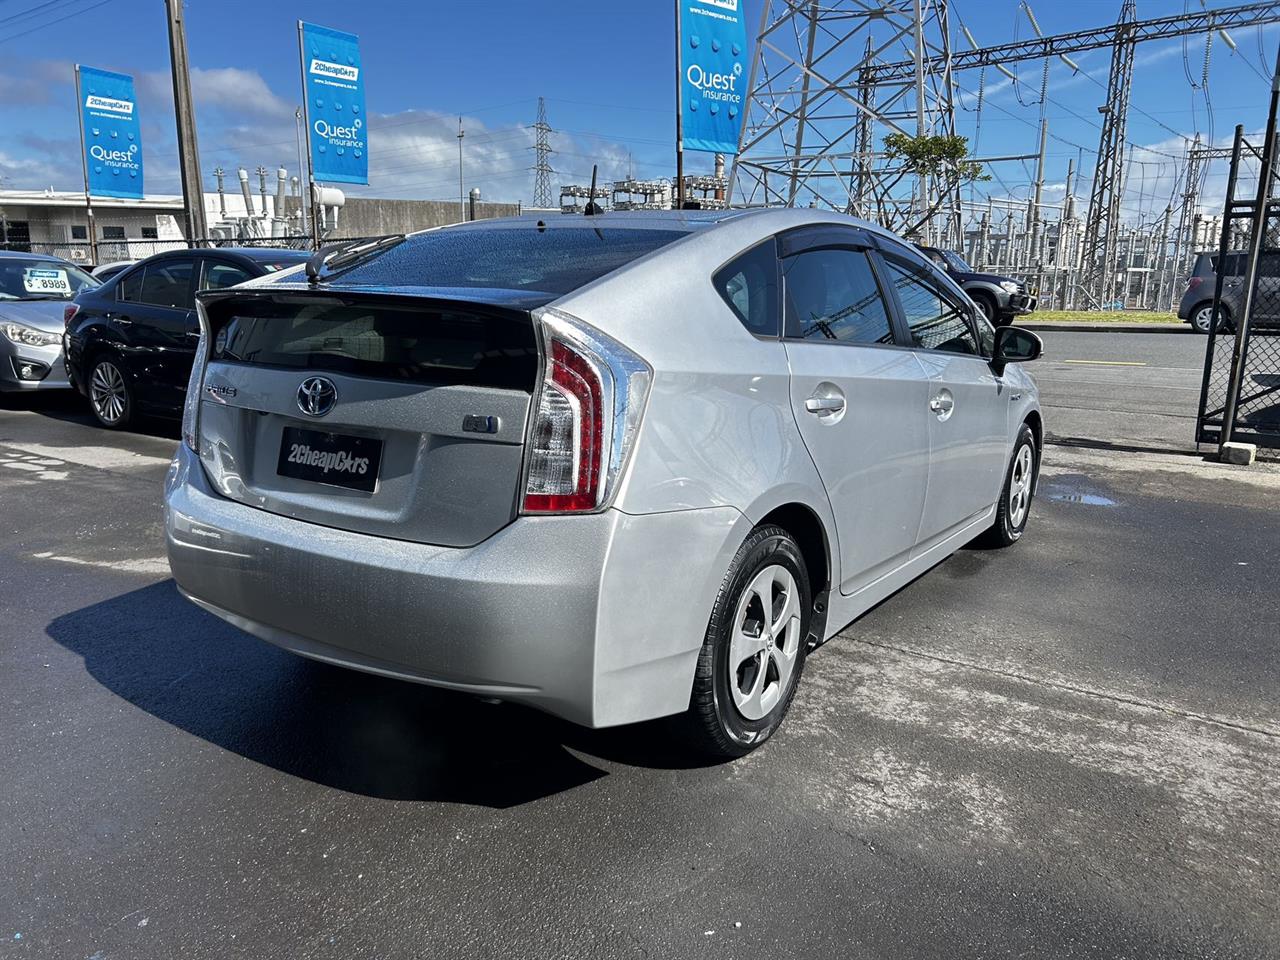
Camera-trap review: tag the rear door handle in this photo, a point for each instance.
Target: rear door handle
(824, 405)
(942, 404)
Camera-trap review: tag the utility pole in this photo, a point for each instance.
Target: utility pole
(462, 190)
(1037, 220)
(184, 111)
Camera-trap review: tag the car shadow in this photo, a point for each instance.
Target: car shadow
(351, 731)
(68, 406)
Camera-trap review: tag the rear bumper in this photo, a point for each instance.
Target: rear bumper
(587, 617)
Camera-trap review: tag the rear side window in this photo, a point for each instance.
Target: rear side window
(219, 276)
(420, 343)
(553, 260)
(833, 295)
(749, 285)
(167, 283)
(130, 287)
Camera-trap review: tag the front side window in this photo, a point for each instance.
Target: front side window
(833, 295)
(167, 283)
(749, 285)
(936, 322)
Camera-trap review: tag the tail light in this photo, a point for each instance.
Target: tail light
(195, 383)
(69, 313)
(1194, 282)
(585, 417)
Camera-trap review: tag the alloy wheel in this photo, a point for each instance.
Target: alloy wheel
(107, 392)
(1020, 486)
(1203, 319)
(765, 641)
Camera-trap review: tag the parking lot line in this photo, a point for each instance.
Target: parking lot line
(1110, 363)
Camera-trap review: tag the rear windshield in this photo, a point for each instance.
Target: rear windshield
(553, 260)
(419, 343)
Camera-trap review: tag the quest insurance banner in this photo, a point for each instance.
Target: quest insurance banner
(112, 135)
(333, 82)
(713, 82)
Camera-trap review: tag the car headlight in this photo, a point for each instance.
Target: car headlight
(25, 336)
(1010, 286)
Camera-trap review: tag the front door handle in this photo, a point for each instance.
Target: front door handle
(824, 405)
(942, 405)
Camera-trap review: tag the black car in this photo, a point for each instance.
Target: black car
(130, 343)
(1001, 299)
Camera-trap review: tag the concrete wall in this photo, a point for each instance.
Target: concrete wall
(370, 217)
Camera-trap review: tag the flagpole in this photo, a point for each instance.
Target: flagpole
(679, 113)
(84, 166)
(306, 121)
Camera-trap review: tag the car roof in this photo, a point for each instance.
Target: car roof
(264, 254)
(19, 255)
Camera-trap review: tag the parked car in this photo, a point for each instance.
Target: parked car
(1196, 306)
(130, 342)
(106, 271)
(616, 467)
(33, 292)
(1001, 299)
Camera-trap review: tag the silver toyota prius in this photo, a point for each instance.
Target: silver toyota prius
(615, 467)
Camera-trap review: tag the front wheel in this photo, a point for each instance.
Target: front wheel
(754, 649)
(1014, 506)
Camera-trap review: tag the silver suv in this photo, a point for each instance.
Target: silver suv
(615, 467)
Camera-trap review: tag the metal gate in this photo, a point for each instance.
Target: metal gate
(1240, 393)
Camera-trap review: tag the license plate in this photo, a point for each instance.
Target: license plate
(332, 458)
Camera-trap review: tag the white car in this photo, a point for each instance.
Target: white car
(614, 467)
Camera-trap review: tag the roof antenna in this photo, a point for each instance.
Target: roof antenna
(592, 208)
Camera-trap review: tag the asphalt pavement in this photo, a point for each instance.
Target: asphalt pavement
(1121, 389)
(1070, 748)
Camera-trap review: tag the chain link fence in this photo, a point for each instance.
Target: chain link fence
(1240, 391)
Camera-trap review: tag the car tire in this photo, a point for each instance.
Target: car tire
(1202, 316)
(110, 396)
(1014, 507)
(752, 657)
(987, 307)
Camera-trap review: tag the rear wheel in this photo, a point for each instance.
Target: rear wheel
(753, 652)
(1014, 507)
(110, 396)
(1202, 318)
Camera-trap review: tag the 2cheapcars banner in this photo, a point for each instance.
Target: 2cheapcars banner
(112, 135)
(713, 79)
(333, 79)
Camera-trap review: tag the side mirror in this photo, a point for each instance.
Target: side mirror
(1014, 345)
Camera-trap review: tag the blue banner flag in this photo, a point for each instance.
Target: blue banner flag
(111, 133)
(713, 78)
(333, 83)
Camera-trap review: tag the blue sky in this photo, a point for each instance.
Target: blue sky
(605, 67)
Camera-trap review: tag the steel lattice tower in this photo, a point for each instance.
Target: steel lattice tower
(817, 106)
(1103, 219)
(542, 164)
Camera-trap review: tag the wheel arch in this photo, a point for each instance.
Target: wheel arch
(807, 527)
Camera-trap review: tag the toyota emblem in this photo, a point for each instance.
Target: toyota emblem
(316, 396)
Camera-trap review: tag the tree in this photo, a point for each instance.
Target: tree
(941, 165)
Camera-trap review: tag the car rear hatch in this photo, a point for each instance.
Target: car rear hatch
(397, 415)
